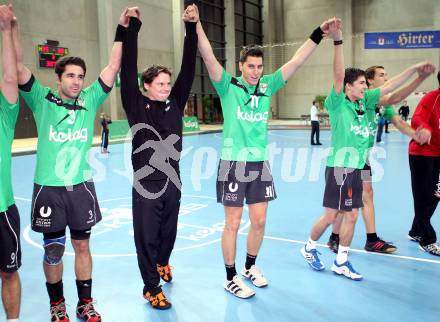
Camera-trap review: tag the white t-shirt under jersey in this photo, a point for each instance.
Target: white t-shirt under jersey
(314, 113)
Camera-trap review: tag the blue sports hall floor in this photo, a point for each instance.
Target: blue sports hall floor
(404, 286)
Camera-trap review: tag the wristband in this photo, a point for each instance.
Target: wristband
(316, 35)
(120, 32)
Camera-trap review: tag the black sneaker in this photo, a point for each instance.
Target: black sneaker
(433, 249)
(380, 246)
(416, 239)
(58, 311)
(333, 244)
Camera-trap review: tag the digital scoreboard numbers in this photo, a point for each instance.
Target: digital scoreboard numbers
(49, 54)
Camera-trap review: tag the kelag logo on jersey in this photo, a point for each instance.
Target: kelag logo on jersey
(361, 130)
(252, 116)
(70, 136)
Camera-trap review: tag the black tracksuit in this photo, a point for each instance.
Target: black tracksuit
(156, 146)
(425, 184)
(105, 132)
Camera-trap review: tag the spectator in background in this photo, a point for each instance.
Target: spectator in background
(105, 121)
(315, 124)
(404, 111)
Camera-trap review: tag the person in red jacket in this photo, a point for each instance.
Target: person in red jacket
(424, 163)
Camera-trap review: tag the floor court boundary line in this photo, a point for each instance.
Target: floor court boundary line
(417, 259)
(22, 199)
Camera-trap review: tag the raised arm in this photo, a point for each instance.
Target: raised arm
(335, 33)
(403, 92)
(212, 65)
(9, 86)
(306, 50)
(130, 93)
(183, 84)
(400, 79)
(108, 74)
(23, 73)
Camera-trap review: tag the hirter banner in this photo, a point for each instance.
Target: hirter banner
(402, 40)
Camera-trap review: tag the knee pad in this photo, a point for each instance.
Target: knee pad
(54, 250)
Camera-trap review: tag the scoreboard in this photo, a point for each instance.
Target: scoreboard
(49, 54)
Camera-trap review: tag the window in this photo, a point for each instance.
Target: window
(212, 16)
(248, 24)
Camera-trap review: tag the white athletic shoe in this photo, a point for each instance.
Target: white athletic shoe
(347, 270)
(255, 276)
(238, 288)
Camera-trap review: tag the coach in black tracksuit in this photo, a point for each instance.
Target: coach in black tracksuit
(156, 124)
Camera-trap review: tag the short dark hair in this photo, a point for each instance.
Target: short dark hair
(371, 71)
(152, 72)
(60, 65)
(251, 50)
(352, 74)
(313, 102)
(438, 77)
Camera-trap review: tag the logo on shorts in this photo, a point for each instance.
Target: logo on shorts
(13, 263)
(91, 217)
(349, 200)
(45, 214)
(269, 192)
(233, 187)
(231, 196)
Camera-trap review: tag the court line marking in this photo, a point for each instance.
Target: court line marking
(302, 242)
(292, 241)
(22, 199)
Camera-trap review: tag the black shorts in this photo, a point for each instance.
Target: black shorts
(10, 248)
(343, 189)
(237, 181)
(54, 208)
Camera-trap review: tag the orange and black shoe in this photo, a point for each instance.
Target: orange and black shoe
(165, 272)
(58, 311)
(157, 299)
(86, 311)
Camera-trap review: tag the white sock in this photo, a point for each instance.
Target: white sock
(311, 244)
(12, 320)
(342, 256)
